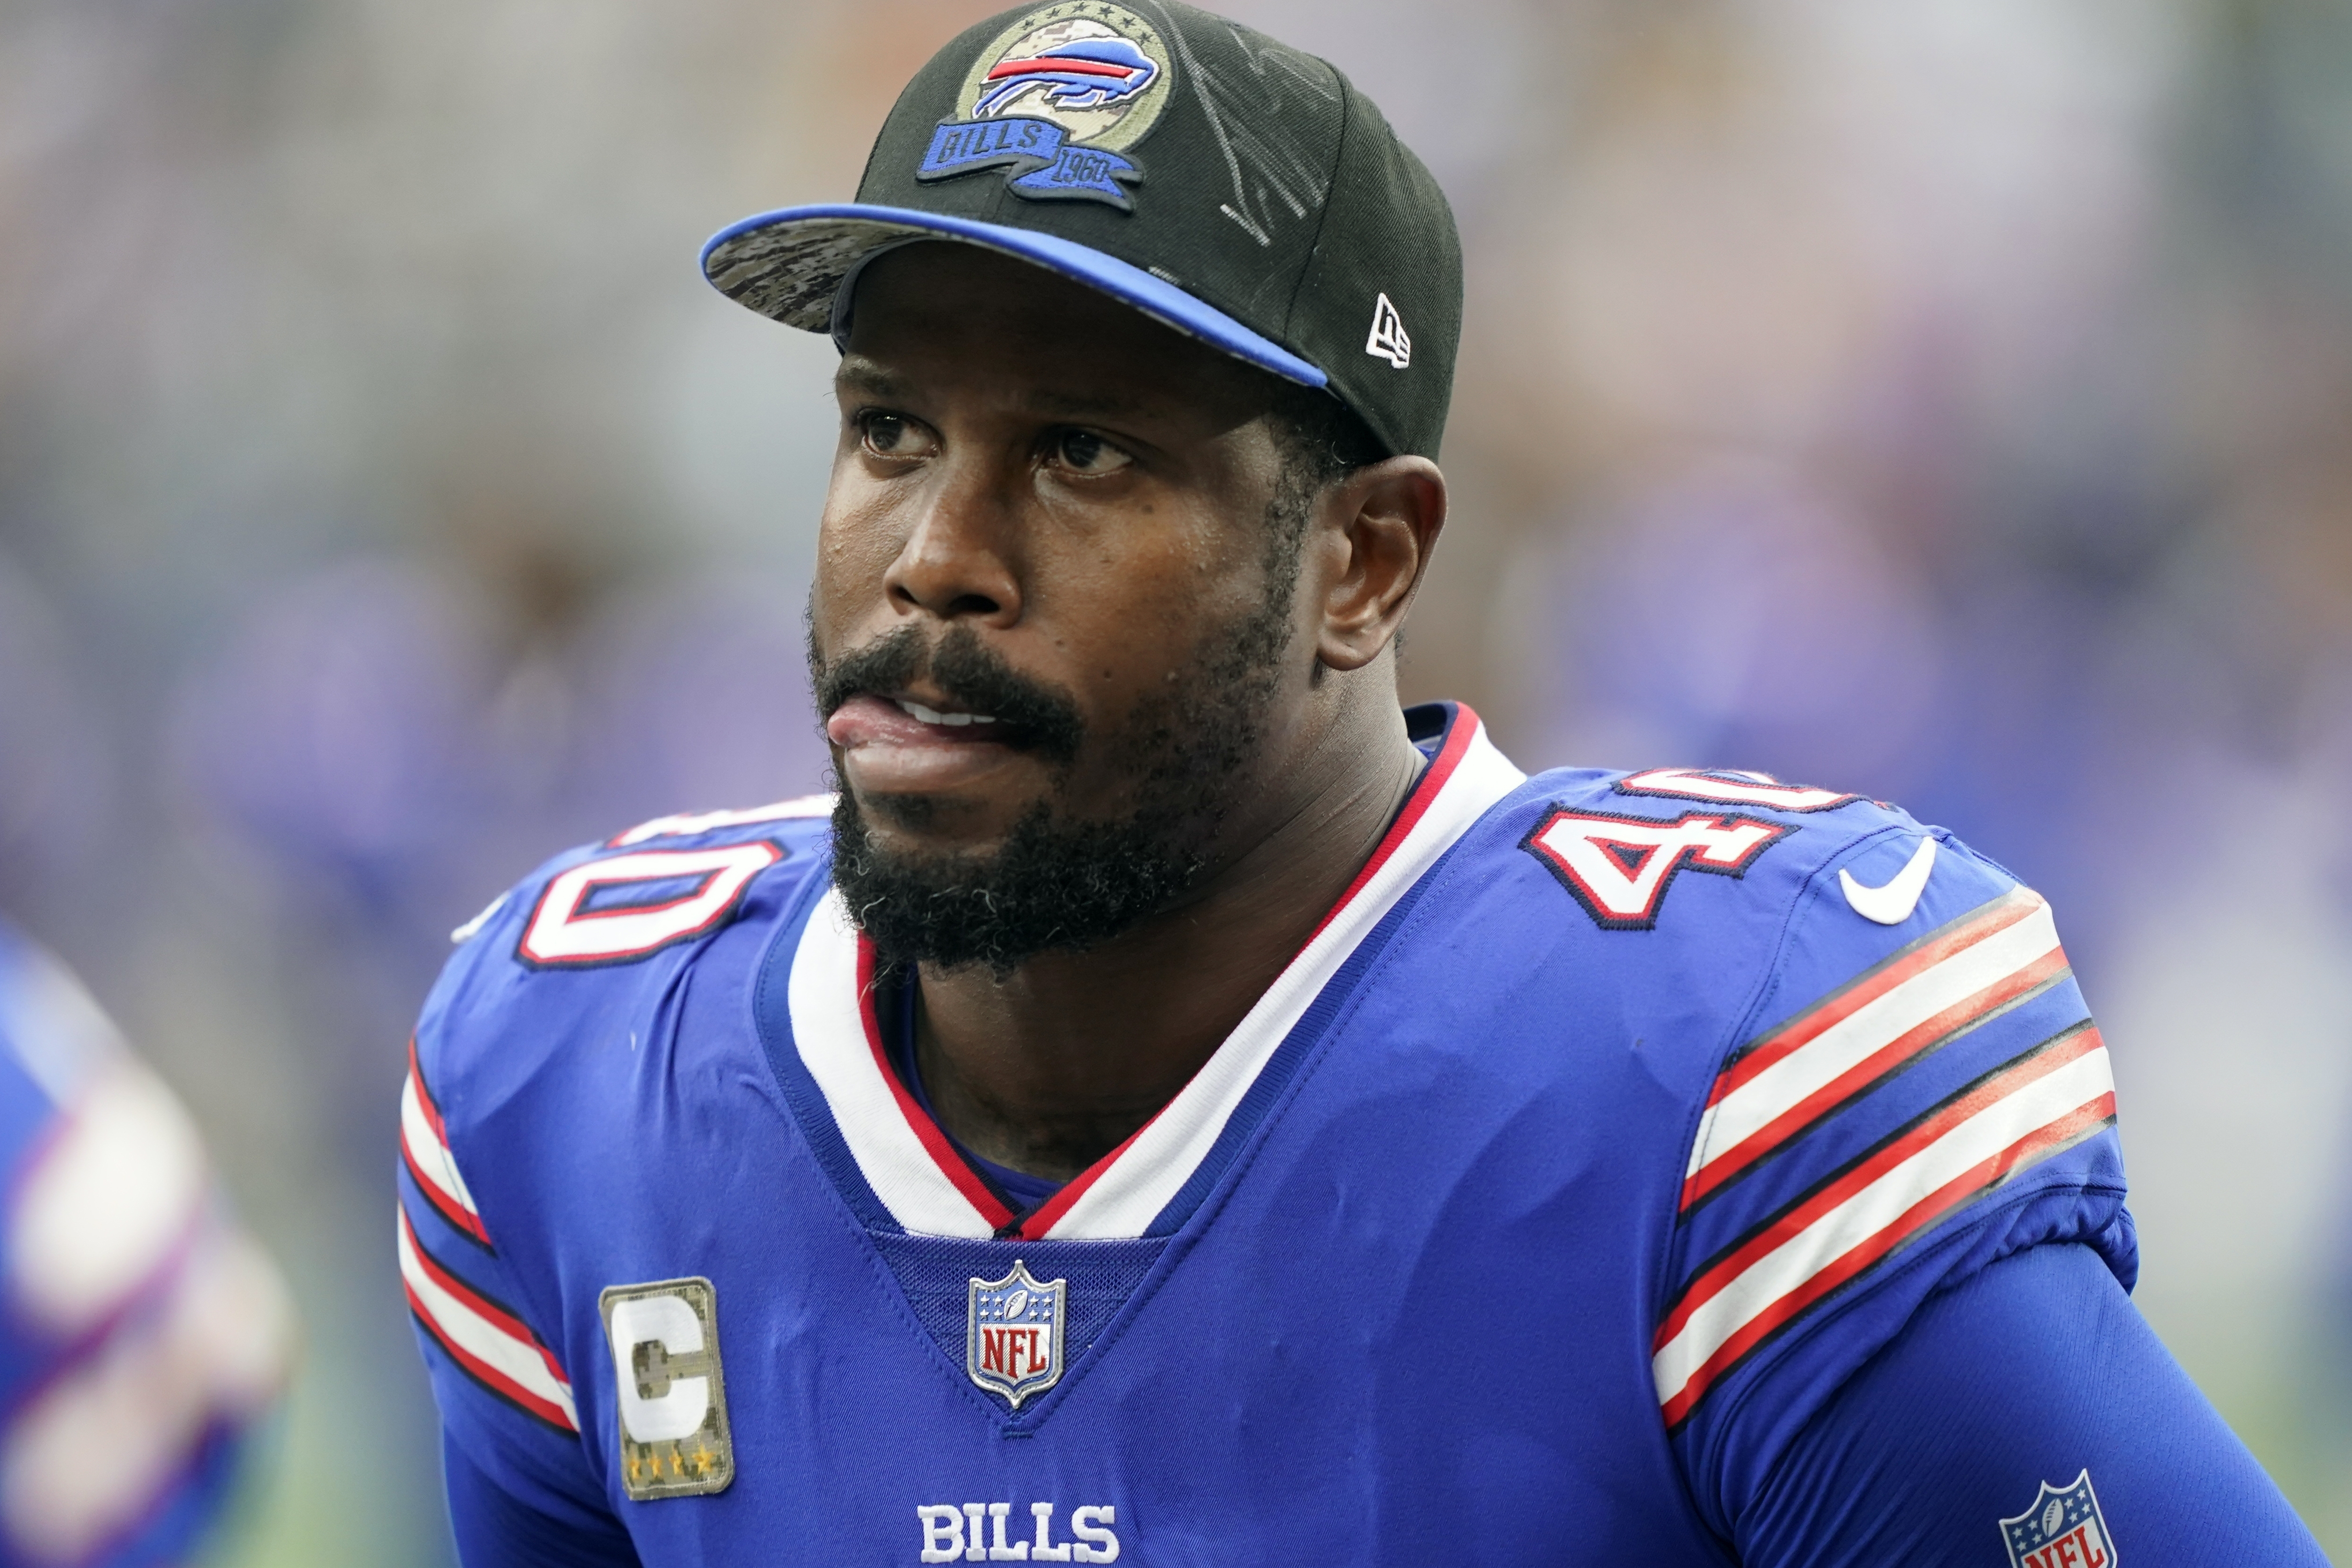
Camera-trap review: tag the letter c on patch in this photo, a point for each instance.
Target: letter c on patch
(668, 1321)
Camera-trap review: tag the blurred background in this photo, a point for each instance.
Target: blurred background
(1949, 401)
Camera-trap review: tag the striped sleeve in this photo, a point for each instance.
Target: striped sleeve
(1910, 1111)
(476, 1234)
(505, 1396)
(475, 1332)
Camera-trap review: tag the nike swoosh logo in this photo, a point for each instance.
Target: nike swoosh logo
(1892, 904)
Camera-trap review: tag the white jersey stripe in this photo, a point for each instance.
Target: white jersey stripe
(1874, 1218)
(490, 1344)
(432, 1164)
(110, 1198)
(424, 1144)
(1852, 1040)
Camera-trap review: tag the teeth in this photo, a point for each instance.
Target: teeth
(952, 720)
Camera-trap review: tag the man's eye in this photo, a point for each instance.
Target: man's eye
(1083, 452)
(891, 435)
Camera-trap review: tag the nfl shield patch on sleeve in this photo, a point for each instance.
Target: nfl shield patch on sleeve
(673, 1429)
(2064, 1529)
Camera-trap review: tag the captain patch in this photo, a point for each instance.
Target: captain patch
(673, 1429)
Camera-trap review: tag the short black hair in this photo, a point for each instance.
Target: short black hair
(1322, 441)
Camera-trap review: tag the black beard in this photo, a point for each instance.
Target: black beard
(1057, 884)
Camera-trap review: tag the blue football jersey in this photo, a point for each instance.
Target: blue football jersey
(1604, 1130)
(144, 1332)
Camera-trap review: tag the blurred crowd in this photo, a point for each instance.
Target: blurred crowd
(1948, 401)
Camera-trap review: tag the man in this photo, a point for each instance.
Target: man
(147, 1334)
(1183, 1110)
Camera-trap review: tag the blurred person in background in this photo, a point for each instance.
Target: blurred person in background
(147, 1337)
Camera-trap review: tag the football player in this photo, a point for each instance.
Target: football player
(1175, 1106)
(146, 1334)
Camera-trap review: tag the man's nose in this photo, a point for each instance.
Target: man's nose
(959, 562)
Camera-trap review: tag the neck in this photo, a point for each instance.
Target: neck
(1051, 1068)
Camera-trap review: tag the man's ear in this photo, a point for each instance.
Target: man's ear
(1379, 526)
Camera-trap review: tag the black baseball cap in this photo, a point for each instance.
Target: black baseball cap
(1227, 184)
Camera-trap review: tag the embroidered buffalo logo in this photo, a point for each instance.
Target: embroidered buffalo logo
(1072, 71)
(1014, 1334)
(2064, 1529)
(1053, 101)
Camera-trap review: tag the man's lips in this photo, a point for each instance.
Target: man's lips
(888, 750)
(868, 720)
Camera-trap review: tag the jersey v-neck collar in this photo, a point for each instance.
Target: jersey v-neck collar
(899, 1170)
(896, 1005)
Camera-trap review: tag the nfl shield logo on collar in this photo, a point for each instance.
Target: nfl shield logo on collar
(1013, 1336)
(2064, 1529)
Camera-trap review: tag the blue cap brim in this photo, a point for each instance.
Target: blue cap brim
(737, 264)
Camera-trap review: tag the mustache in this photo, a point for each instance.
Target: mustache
(1032, 714)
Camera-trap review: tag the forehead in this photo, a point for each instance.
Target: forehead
(942, 312)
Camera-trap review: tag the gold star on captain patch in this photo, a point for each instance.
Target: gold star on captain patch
(636, 1466)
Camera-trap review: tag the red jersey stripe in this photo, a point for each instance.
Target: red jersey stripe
(1425, 789)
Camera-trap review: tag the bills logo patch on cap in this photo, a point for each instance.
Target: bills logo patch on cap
(1054, 100)
(2064, 1529)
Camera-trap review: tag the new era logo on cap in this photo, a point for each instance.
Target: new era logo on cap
(1389, 340)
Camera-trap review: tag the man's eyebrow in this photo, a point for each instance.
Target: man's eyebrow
(1084, 406)
(859, 374)
(867, 378)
